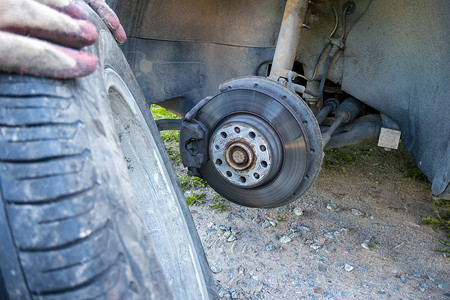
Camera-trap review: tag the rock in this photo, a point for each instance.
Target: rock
(423, 287)
(216, 269)
(322, 268)
(294, 235)
(233, 293)
(241, 271)
(224, 228)
(297, 226)
(357, 212)
(319, 240)
(333, 207)
(402, 278)
(232, 238)
(265, 224)
(329, 235)
(298, 211)
(441, 286)
(222, 292)
(365, 246)
(315, 246)
(273, 223)
(227, 234)
(285, 239)
(348, 267)
(270, 247)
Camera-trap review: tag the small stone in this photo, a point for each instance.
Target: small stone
(285, 239)
(357, 212)
(224, 228)
(265, 224)
(294, 235)
(348, 267)
(319, 240)
(273, 223)
(389, 226)
(241, 271)
(234, 295)
(315, 246)
(365, 246)
(235, 231)
(300, 227)
(216, 269)
(329, 235)
(431, 278)
(232, 238)
(441, 286)
(222, 292)
(298, 211)
(423, 287)
(270, 247)
(333, 207)
(227, 234)
(322, 268)
(403, 278)
(417, 275)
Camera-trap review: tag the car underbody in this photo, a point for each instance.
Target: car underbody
(265, 86)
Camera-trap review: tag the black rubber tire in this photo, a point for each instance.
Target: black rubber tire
(71, 226)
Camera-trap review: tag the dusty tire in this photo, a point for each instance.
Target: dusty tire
(71, 225)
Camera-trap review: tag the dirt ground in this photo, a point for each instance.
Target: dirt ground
(355, 234)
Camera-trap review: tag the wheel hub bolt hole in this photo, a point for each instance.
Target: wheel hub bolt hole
(219, 162)
(223, 134)
(242, 179)
(217, 147)
(256, 175)
(237, 129)
(229, 174)
(264, 164)
(262, 148)
(252, 135)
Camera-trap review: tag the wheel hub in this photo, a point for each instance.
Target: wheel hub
(241, 153)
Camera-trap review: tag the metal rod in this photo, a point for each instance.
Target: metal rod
(289, 36)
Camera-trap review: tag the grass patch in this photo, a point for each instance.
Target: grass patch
(368, 156)
(374, 244)
(440, 221)
(219, 206)
(195, 199)
(174, 154)
(415, 174)
(189, 182)
(160, 113)
(394, 209)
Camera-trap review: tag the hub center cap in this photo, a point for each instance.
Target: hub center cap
(239, 156)
(241, 153)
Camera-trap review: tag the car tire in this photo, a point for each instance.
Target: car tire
(90, 206)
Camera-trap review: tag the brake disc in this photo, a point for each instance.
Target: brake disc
(264, 145)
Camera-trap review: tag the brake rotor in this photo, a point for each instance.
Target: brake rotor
(264, 145)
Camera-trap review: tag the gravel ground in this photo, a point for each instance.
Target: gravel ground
(355, 234)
